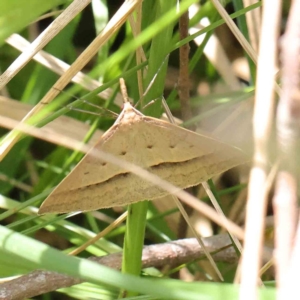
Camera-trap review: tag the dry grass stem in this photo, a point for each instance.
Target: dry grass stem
(18, 184)
(140, 54)
(289, 286)
(238, 207)
(59, 67)
(112, 26)
(186, 217)
(286, 196)
(214, 51)
(253, 23)
(43, 39)
(222, 215)
(262, 126)
(244, 43)
(75, 129)
(100, 235)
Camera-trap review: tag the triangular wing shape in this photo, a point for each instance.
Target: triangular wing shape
(180, 156)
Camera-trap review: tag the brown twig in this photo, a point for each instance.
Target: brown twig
(184, 97)
(169, 254)
(288, 133)
(183, 80)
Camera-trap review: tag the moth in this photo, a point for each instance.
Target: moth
(177, 155)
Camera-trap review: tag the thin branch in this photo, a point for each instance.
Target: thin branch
(184, 98)
(170, 254)
(183, 80)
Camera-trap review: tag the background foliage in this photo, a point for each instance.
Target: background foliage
(32, 167)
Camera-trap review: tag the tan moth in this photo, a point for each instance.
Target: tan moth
(177, 155)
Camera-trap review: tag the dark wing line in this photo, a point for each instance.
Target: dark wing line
(151, 168)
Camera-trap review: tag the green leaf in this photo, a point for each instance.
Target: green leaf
(16, 15)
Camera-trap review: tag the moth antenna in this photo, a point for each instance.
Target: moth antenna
(124, 90)
(150, 103)
(152, 81)
(70, 107)
(168, 111)
(98, 107)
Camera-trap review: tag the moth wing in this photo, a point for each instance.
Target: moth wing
(180, 156)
